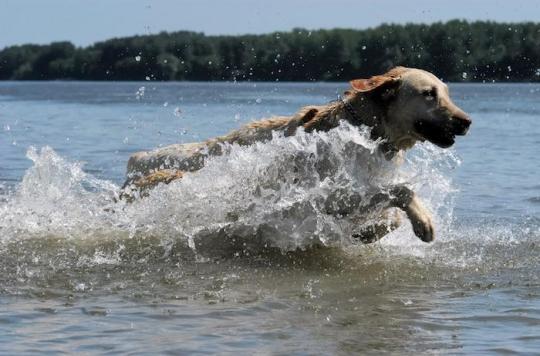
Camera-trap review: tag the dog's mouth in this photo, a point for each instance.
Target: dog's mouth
(438, 133)
(442, 128)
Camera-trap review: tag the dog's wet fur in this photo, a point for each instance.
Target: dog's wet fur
(402, 107)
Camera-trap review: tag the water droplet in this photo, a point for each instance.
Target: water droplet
(464, 75)
(139, 94)
(258, 100)
(177, 112)
(138, 58)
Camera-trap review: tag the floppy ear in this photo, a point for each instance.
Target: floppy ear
(392, 78)
(384, 86)
(378, 81)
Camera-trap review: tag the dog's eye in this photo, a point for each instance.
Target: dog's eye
(430, 94)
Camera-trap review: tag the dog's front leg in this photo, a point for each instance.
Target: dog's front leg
(340, 203)
(405, 199)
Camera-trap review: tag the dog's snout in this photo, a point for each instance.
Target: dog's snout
(461, 123)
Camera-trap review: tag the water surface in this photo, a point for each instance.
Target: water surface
(81, 273)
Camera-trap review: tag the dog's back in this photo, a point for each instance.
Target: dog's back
(148, 168)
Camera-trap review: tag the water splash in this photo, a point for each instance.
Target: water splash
(268, 195)
(62, 230)
(272, 192)
(56, 197)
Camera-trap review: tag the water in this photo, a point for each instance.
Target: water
(81, 273)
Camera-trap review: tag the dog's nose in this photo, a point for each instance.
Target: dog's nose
(461, 123)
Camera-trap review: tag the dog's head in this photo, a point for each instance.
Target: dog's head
(416, 106)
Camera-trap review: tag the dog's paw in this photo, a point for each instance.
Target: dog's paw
(423, 228)
(421, 221)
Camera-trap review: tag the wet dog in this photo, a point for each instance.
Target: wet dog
(401, 107)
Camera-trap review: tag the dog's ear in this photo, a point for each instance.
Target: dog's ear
(386, 84)
(374, 83)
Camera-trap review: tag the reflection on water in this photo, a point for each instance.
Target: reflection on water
(174, 273)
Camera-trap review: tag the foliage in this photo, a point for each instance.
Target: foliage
(456, 51)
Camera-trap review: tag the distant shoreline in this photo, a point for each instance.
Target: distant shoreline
(456, 51)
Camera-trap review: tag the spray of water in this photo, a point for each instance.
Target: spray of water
(268, 195)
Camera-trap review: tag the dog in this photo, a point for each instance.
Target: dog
(401, 107)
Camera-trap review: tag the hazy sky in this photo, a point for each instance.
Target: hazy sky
(86, 21)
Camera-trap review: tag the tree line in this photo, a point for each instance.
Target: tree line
(455, 51)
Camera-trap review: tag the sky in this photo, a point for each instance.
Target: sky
(84, 22)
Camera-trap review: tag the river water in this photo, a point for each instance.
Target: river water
(82, 273)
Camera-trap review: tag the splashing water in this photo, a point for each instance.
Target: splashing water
(268, 194)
